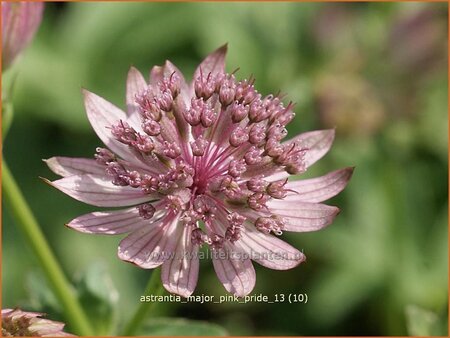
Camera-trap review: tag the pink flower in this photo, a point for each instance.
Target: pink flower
(18, 323)
(20, 21)
(200, 164)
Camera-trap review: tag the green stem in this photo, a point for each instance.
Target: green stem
(36, 240)
(154, 287)
(7, 118)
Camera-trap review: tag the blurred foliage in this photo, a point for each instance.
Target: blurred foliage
(422, 322)
(180, 327)
(99, 297)
(375, 71)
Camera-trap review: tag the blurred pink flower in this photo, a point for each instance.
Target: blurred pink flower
(20, 21)
(18, 323)
(201, 163)
(417, 41)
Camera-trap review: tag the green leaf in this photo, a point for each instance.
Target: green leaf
(422, 322)
(180, 327)
(99, 297)
(40, 296)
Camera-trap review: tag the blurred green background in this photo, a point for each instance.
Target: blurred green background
(375, 71)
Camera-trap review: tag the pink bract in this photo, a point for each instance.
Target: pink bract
(20, 21)
(200, 163)
(18, 323)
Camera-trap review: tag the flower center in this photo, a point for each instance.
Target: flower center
(199, 185)
(207, 153)
(16, 327)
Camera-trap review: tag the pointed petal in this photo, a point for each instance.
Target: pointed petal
(321, 188)
(102, 115)
(156, 75)
(267, 168)
(214, 63)
(268, 250)
(110, 222)
(317, 142)
(234, 270)
(303, 217)
(99, 191)
(46, 328)
(182, 101)
(148, 247)
(170, 130)
(135, 85)
(180, 274)
(67, 166)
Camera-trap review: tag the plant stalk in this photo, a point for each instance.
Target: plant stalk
(154, 287)
(26, 221)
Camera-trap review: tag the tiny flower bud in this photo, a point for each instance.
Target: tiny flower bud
(204, 87)
(277, 131)
(171, 150)
(255, 109)
(143, 143)
(238, 112)
(270, 224)
(149, 184)
(253, 156)
(273, 147)
(118, 173)
(174, 203)
(227, 91)
(258, 110)
(104, 156)
(238, 137)
(237, 167)
(151, 127)
(208, 117)
(149, 105)
(256, 184)
(257, 201)
(165, 100)
(230, 187)
(146, 210)
(284, 116)
(245, 92)
(192, 116)
(133, 179)
(232, 234)
(172, 84)
(277, 190)
(199, 146)
(257, 134)
(219, 78)
(123, 132)
(236, 219)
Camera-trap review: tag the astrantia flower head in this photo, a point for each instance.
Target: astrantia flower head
(18, 323)
(200, 164)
